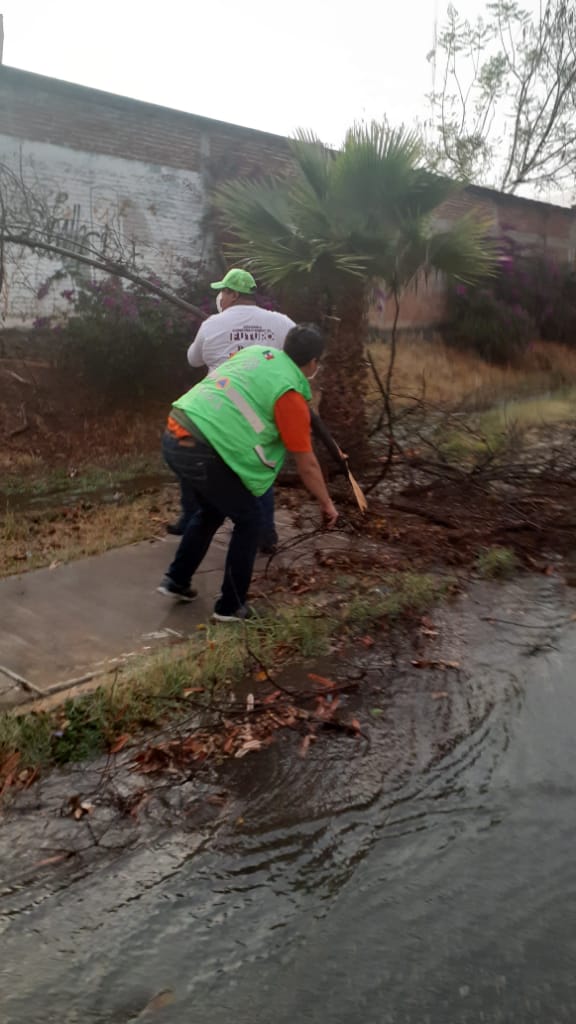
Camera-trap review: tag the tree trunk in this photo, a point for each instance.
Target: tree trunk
(343, 378)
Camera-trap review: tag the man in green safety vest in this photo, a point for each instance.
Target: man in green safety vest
(227, 439)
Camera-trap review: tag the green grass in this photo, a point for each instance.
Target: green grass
(496, 563)
(530, 412)
(151, 692)
(58, 480)
(396, 595)
(491, 431)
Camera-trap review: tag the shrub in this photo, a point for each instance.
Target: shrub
(543, 287)
(124, 343)
(478, 320)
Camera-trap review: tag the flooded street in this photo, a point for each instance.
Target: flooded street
(425, 876)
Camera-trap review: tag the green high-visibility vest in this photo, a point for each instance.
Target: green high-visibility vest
(234, 408)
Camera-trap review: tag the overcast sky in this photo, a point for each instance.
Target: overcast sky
(319, 64)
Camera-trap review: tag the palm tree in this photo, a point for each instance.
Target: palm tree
(343, 221)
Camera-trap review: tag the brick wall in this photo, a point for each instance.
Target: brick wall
(146, 167)
(530, 223)
(158, 208)
(47, 110)
(141, 168)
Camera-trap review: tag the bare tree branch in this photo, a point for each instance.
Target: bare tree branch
(504, 114)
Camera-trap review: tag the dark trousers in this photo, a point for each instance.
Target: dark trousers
(189, 505)
(219, 494)
(268, 535)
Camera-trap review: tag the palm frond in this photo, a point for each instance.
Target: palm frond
(314, 160)
(254, 206)
(465, 252)
(377, 181)
(364, 211)
(386, 142)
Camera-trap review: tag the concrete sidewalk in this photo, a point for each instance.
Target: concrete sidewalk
(62, 624)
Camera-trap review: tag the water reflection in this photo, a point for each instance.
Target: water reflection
(427, 876)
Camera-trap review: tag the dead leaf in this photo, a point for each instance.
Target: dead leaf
(56, 859)
(248, 747)
(140, 800)
(229, 744)
(192, 689)
(367, 641)
(120, 743)
(322, 680)
(10, 764)
(217, 799)
(303, 749)
(83, 808)
(158, 1002)
(439, 694)
(274, 696)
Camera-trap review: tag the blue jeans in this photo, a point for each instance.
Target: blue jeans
(219, 494)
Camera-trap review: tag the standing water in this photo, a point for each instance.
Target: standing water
(425, 877)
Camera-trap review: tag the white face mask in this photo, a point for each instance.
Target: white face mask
(219, 302)
(315, 374)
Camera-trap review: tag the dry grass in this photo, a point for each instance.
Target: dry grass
(32, 540)
(446, 376)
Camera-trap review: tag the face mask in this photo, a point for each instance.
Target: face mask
(315, 374)
(219, 302)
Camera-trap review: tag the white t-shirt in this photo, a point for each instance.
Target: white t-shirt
(223, 334)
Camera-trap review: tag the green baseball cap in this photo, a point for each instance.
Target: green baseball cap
(237, 281)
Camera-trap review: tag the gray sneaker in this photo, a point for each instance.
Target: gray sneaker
(171, 589)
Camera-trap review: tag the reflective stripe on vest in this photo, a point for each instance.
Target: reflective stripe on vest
(247, 411)
(262, 456)
(234, 408)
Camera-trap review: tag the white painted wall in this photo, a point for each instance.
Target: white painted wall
(158, 208)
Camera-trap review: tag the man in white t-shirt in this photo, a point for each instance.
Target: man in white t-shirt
(239, 323)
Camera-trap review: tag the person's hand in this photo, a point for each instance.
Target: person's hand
(329, 515)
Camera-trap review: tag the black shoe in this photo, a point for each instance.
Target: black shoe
(240, 615)
(171, 589)
(268, 549)
(268, 544)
